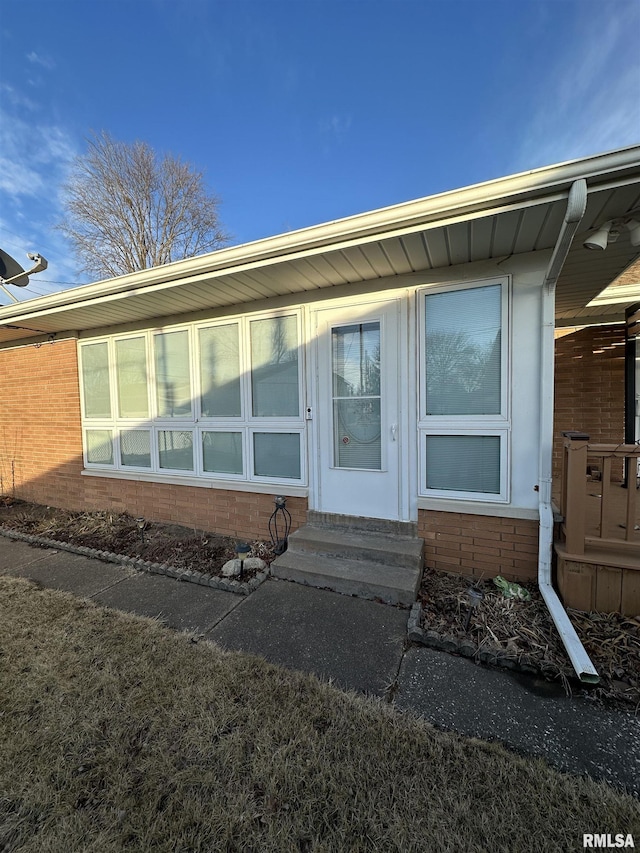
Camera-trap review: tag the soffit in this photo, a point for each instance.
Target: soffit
(500, 228)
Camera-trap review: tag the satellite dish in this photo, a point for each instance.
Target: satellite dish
(11, 269)
(12, 273)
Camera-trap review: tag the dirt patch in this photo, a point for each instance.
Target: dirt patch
(171, 544)
(524, 631)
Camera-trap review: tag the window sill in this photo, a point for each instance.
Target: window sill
(477, 508)
(286, 489)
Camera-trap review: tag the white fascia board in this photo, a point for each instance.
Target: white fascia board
(537, 186)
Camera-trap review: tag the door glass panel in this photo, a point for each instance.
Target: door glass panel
(355, 359)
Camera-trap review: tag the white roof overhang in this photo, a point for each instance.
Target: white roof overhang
(492, 220)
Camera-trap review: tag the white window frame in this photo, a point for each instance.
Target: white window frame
(113, 375)
(498, 424)
(286, 430)
(152, 450)
(214, 475)
(98, 425)
(246, 424)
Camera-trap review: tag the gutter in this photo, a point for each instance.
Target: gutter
(578, 656)
(535, 186)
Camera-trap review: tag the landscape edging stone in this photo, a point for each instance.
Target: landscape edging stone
(184, 575)
(465, 648)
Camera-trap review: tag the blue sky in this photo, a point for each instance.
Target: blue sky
(304, 111)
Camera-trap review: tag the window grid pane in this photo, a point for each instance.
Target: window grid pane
(463, 351)
(222, 452)
(220, 372)
(99, 446)
(277, 455)
(95, 380)
(463, 463)
(274, 367)
(176, 449)
(135, 448)
(271, 387)
(173, 379)
(131, 373)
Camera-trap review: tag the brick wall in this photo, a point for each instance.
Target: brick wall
(589, 388)
(480, 545)
(244, 515)
(40, 437)
(41, 455)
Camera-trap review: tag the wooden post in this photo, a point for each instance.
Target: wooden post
(632, 491)
(605, 502)
(574, 498)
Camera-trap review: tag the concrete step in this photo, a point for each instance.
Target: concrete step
(363, 578)
(356, 544)
(365, 525)
(367, 557)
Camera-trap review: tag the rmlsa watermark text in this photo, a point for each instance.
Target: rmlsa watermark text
(594, 839)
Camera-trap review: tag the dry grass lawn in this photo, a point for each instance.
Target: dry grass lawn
(119, 735)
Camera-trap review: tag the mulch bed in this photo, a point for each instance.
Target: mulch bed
(522, 631)
(118, 533)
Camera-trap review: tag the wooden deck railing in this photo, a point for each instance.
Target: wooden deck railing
(613, 518)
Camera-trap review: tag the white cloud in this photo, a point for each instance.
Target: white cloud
(36, 156)
(17, 99)
(336, 125)
(587, 103)
(39, 59)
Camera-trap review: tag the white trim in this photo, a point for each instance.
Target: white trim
(117, 442)
(498, 424)
(477, 508)
(113, 368)
(520, 190)
(193, 422)
(321, 319)
(503, 434)
(499, 418)
(280, 488)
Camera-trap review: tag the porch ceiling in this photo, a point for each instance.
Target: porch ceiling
(490, 221)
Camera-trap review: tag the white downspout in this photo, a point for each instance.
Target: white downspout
(576, 206)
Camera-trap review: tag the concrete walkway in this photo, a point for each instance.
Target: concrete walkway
(360, 645)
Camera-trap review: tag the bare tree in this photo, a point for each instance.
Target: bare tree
(128, 210)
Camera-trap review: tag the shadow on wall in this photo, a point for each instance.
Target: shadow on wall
(41, 458)
(242, 515)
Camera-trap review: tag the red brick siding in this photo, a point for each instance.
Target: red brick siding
(589, 388)
(41, 441)
(40, 434)
(479, 545)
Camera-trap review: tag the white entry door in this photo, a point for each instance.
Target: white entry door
(358, 421)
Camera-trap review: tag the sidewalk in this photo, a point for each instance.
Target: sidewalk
(360, 645)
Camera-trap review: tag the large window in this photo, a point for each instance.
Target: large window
(463, 422)
(216, 400)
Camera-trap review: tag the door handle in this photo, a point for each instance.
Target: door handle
(394, 430)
